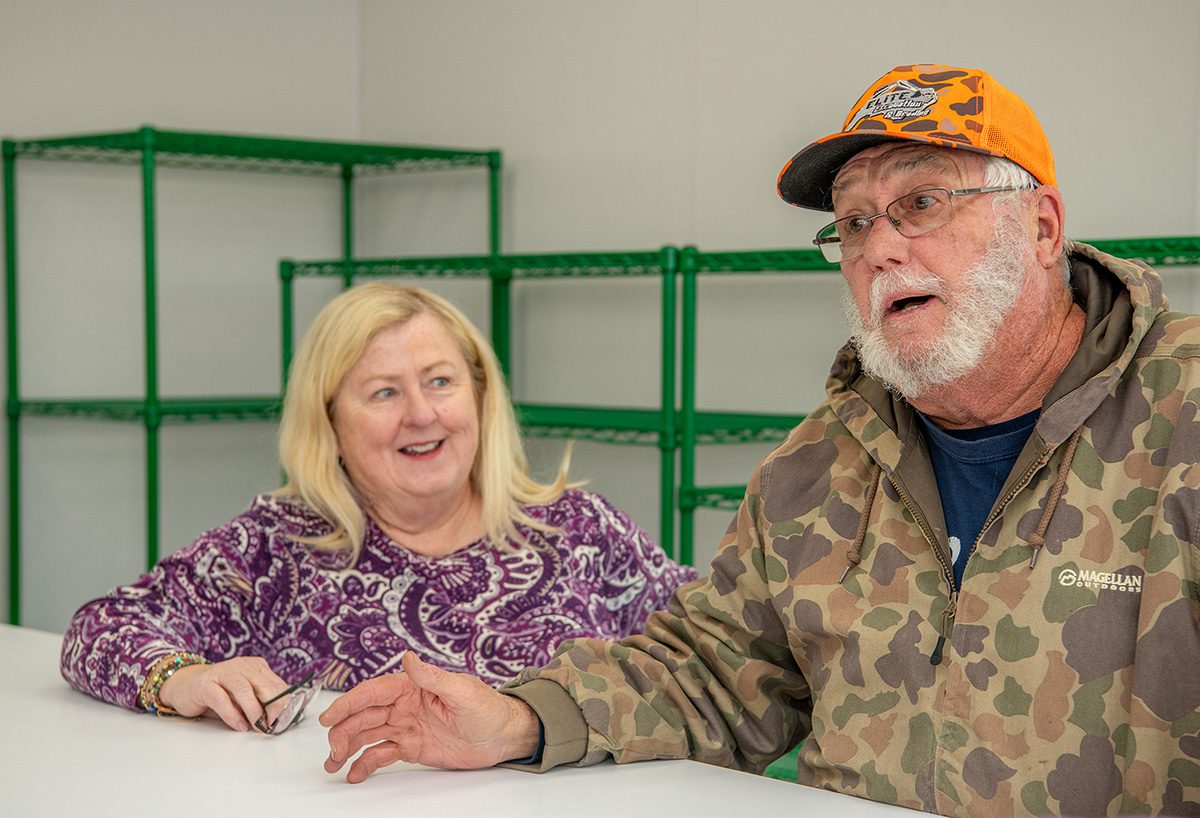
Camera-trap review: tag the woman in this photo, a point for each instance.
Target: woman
(409, 521)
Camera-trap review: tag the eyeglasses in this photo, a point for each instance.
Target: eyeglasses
(301, 694)
(913, 214)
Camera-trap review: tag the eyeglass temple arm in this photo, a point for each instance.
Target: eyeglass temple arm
(993, 189)
(290, 689)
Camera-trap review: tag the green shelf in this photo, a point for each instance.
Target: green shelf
(593, 423)
(546, 265)
(743, 427)
(213, 151)
(726, 497)
(1164, 251)
(170, 410)
(760, 261)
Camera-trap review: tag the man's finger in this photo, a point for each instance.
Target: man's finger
(433, 679)
(341, 735)
(346, 744)
(386, 733)
(379, 692)
(371, 760)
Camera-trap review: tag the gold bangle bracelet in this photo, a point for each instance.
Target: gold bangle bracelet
(160, 671)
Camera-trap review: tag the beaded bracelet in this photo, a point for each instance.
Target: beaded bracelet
(160, 671)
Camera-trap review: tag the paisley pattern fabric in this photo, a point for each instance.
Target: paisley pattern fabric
(248, 588)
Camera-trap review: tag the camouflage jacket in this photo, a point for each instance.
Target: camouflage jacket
(1067, 684)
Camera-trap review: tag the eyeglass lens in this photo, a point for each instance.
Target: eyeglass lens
(912, 215)
(293, 711)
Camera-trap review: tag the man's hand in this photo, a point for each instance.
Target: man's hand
(429, 716)
(231, 690)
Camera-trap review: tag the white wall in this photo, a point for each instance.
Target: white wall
(627, 124)
(255, 66)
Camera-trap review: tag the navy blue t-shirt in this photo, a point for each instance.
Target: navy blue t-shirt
(971, 466)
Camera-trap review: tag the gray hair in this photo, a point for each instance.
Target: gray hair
(1001, 172)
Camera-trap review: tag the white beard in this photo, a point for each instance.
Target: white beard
(975, 310)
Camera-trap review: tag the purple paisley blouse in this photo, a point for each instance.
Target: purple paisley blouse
(248, 589)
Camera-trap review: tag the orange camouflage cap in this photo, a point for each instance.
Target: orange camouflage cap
(962, 108)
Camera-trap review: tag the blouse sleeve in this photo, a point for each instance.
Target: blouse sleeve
(200, 599)
(638, 577)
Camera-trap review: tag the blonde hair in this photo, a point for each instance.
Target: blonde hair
(308, 446)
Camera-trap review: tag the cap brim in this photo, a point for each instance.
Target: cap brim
(807, 180)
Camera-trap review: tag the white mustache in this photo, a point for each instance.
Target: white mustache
(887, 285)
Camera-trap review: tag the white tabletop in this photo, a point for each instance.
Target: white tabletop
(65, 754)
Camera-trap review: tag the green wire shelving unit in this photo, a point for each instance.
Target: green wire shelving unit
(150, 148)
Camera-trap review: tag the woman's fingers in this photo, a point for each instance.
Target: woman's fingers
(267, 687)
(232, 690)
(218, 700)
(242, 692)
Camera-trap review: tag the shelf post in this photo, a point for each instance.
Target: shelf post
(667, 440)
(494, 163)
(500, 281)
(152, 409)
(287, 275)
(347, 223)
(13, 398)
(687, 444)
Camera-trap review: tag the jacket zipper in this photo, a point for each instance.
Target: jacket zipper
(935, 658)
(948, 613)
(1019, 486)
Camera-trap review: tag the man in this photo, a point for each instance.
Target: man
(969, 580)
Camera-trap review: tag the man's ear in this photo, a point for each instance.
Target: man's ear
(1051, 218)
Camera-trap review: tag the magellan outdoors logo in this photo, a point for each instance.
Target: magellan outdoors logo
(898, 101)
(1101, 580)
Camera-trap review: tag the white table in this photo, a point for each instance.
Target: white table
(65, 754)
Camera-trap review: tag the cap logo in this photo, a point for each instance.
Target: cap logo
(898, 101)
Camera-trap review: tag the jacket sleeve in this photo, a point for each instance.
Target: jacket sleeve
(200, 599)
(711, 678)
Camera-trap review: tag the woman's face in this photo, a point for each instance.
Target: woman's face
(406, 421)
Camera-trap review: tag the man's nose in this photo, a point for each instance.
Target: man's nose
(883, 246)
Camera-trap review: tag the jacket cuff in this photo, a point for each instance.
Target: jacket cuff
(565, 730)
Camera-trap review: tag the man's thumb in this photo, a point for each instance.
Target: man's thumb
(425, 675)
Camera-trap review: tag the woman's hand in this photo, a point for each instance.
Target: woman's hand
(427, 716)
(231, 690)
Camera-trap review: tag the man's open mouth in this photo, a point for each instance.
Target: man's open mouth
(907, 302)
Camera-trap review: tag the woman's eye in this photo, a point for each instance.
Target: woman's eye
(386, 392)
(440, 381)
